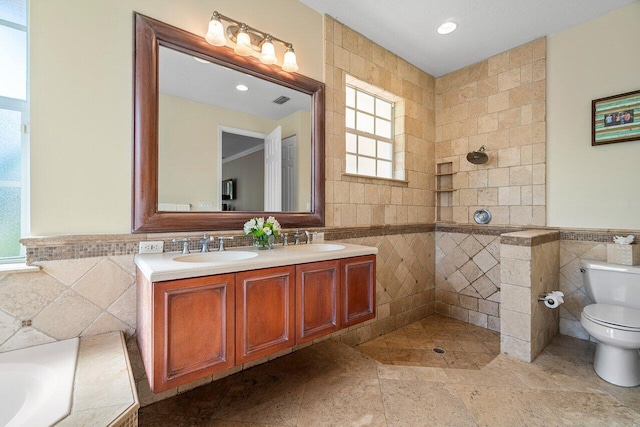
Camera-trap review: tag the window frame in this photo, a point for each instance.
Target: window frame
(376, 138)
(21, 106)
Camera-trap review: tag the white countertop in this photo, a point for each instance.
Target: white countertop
(161, 267)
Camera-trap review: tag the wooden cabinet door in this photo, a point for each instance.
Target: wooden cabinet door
(193, 329)
(317, 291)
(358, 296)
(264, 312)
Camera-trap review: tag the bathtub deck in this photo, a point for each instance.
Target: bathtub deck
(104, 392)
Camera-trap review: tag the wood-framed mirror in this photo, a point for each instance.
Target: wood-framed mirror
(169, 191)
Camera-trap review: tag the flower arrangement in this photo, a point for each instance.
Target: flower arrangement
(263, 232)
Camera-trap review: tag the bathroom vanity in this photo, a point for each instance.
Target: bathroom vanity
(202, 313)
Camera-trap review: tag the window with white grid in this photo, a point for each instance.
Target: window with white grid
(369, 134)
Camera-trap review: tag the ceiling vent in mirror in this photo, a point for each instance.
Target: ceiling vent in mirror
(281, 100)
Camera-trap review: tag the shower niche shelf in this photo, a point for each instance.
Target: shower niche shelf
(444, 191)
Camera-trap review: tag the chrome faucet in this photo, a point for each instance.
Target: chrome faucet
(298, 235)
(221, 240)
(285, 239)
(185, 244)
(205, 242)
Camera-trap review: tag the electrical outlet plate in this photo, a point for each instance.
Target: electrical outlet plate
(151, 247)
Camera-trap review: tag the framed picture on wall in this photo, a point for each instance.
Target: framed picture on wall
(615, 118)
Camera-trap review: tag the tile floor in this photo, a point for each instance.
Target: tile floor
(419, 344)
(331, 384)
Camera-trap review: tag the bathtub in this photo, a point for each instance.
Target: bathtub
(36, 384)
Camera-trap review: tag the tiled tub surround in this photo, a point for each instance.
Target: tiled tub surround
(104, 392)
(500, 103)
(529, 264)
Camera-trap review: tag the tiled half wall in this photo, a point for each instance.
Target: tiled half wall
(468, 275)
(90, 295)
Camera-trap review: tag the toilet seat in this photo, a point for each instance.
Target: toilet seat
(613, 316)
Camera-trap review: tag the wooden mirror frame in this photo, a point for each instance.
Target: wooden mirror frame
(149, 35)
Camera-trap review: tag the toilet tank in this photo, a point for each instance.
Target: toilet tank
(612, 283)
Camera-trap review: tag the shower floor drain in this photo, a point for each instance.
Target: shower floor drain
(439, 350)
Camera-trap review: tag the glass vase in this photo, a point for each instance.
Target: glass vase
(263, 242)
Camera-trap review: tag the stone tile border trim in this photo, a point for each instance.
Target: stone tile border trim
(529, 237)
(50, 248)
(100, 245)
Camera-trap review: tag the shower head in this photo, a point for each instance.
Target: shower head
(478, 157)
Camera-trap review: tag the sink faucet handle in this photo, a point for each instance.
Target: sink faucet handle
(307, 237)
(185, 244)
(221, 240)
(285, 239)
(205, 242)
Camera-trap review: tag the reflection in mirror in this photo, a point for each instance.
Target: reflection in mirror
(219, 124)
(186, 158)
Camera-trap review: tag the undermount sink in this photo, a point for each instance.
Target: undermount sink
(225, 256)
(317, 247)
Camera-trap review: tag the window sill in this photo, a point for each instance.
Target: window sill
(376, 180)
(18, 268)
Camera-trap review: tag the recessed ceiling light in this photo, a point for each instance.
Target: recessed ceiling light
(242, 88)
(203, 61)
(447, 27)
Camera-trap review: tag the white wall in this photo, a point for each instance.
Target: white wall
(81, 97)
(591, 187)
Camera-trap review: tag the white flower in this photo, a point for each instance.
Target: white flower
(248, 226)
(259, 222)
(267, 231)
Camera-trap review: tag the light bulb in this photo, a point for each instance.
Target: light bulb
(290, 65)
(268, 55)
(243, 43)
(215, 34)
(447, 27)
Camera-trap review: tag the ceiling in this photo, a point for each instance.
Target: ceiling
(485, 27)
(181, 75)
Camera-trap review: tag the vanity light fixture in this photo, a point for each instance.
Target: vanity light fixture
(447, 28)
(249, 39)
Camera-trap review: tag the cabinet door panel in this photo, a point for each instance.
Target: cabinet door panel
(194, 329)
(358, 290)
(264, 312)
(317, 290)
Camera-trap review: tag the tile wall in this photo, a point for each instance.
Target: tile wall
(352, 200)
(94, 295)
(468, 277)
(499, 103)
(529, 267)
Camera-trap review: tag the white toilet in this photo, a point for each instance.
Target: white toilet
(614, 320)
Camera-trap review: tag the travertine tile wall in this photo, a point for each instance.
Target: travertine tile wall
(527, 325)
(90, 296)
(468, 278)
(354, 200)
(66, 299)
(500, 103)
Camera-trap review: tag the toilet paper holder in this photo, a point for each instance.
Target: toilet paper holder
(552, 299)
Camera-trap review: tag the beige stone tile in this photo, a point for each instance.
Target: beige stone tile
(24, 295)
(417, 403)
(94, 416)
(508, 79)
(509, 157)
(521, 215)
(488, 123)
(104, 284)
(25, 337)
(54, 319)
(509, 118)
(521, 95)
(68, 271)
(509, 196)
(498, 63)
(329, 400)
(411, 373)
(102, 377)
(498, 102)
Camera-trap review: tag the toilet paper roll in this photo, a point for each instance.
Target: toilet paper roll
(554, 299)
(551, 301)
